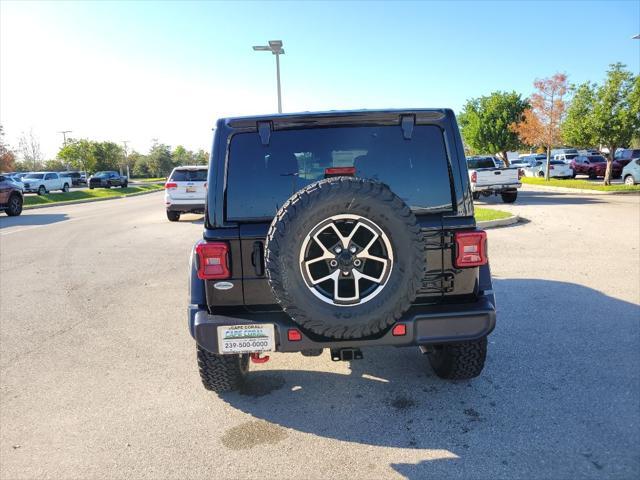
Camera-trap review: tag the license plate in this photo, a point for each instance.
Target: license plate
(191, 189)
(246, 338)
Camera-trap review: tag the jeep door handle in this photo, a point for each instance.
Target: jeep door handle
(257, 258)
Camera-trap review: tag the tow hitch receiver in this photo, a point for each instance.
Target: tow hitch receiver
(256, 358)
(345, 354)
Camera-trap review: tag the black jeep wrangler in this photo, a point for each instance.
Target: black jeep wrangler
(339, 230)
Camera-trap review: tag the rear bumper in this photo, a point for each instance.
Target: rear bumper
(424, 325)
(185, 206)
(495, 188)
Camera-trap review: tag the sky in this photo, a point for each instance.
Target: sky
(139, 71)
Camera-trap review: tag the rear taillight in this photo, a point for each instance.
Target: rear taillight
(474, 177)
(170, 185)
(213, 261)
(471, 249)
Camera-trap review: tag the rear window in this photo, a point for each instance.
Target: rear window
(199, 175)
(261, 178)
(475, 163)
(556, 162)
(597, 159)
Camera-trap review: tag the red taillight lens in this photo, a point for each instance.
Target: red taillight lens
(213, 261)
(471, 249)
(170, 185)
(474, 177)
(335, 171)
(294, 335)
(399, 330)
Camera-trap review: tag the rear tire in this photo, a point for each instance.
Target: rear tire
(173, 216)
(65, 188)
(592, 175)
(15, 205)
(509, 197)
(629, 180)
(222, 373)
(476, 195)
(459, 361)
(41, 190)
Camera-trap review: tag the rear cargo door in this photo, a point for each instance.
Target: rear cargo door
(190, 184)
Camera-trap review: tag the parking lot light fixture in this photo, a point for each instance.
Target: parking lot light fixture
(275, 47)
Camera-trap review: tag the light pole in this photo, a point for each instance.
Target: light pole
(64, 137)
(275, 47)
(126, 157)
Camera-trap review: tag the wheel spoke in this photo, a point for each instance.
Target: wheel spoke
(358, 275)
(332, 275)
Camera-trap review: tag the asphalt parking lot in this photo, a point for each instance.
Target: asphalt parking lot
(98, 374)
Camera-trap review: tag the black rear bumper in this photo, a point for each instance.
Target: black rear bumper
(186, 207)
(425, 325)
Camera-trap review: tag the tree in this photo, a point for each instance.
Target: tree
(79, 154)
(56, 165)
(29, 147)
(7, 157)
(485, 123)
(608, 114)
(182, 156)
(541, 124)
(160, 160)
(108, 155)
(201, 157)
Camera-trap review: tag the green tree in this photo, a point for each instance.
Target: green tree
(182, 156)
(160, 160)
(79, 154)
(607, 114)
(485, 123)
(201, 157)
(55, 165)
(577, 128)
(108, 155)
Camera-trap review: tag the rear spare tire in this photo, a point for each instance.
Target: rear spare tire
(344, 257)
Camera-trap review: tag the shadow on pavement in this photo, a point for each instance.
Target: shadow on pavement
(28, 218)
(558, 397)
(530, 197)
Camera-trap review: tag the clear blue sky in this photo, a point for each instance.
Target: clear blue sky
(136, 71)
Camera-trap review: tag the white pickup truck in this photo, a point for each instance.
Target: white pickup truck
(487, 179)
(44, 182)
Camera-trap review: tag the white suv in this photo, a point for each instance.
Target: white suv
(44, 182)
(185, 191)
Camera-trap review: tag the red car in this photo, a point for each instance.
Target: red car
(594, 166)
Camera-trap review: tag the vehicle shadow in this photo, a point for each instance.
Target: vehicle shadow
(27, 218)
(545, 198)
(561, 381)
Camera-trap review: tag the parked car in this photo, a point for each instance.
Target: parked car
(557, 169)
(564, 151)
(10, 196)
(185, 191)
(44, 182)
(355, 255)
(565, 157)
(631, 172)
(77, 178)
(486, 179)
(16, 178)
(594, 166)
(624, 156)
(107, 179)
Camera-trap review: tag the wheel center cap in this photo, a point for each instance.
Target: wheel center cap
(345, 259)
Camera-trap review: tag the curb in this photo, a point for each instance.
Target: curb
(582, 191)
(502, 222)
(88, 200)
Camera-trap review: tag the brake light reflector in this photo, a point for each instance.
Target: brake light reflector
(399, 330)
(213, 261)
(474, 177)
(471, 249)
(340, 171)
(170, 185)
(294, 335)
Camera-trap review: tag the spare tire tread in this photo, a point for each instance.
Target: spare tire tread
(280, 228)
